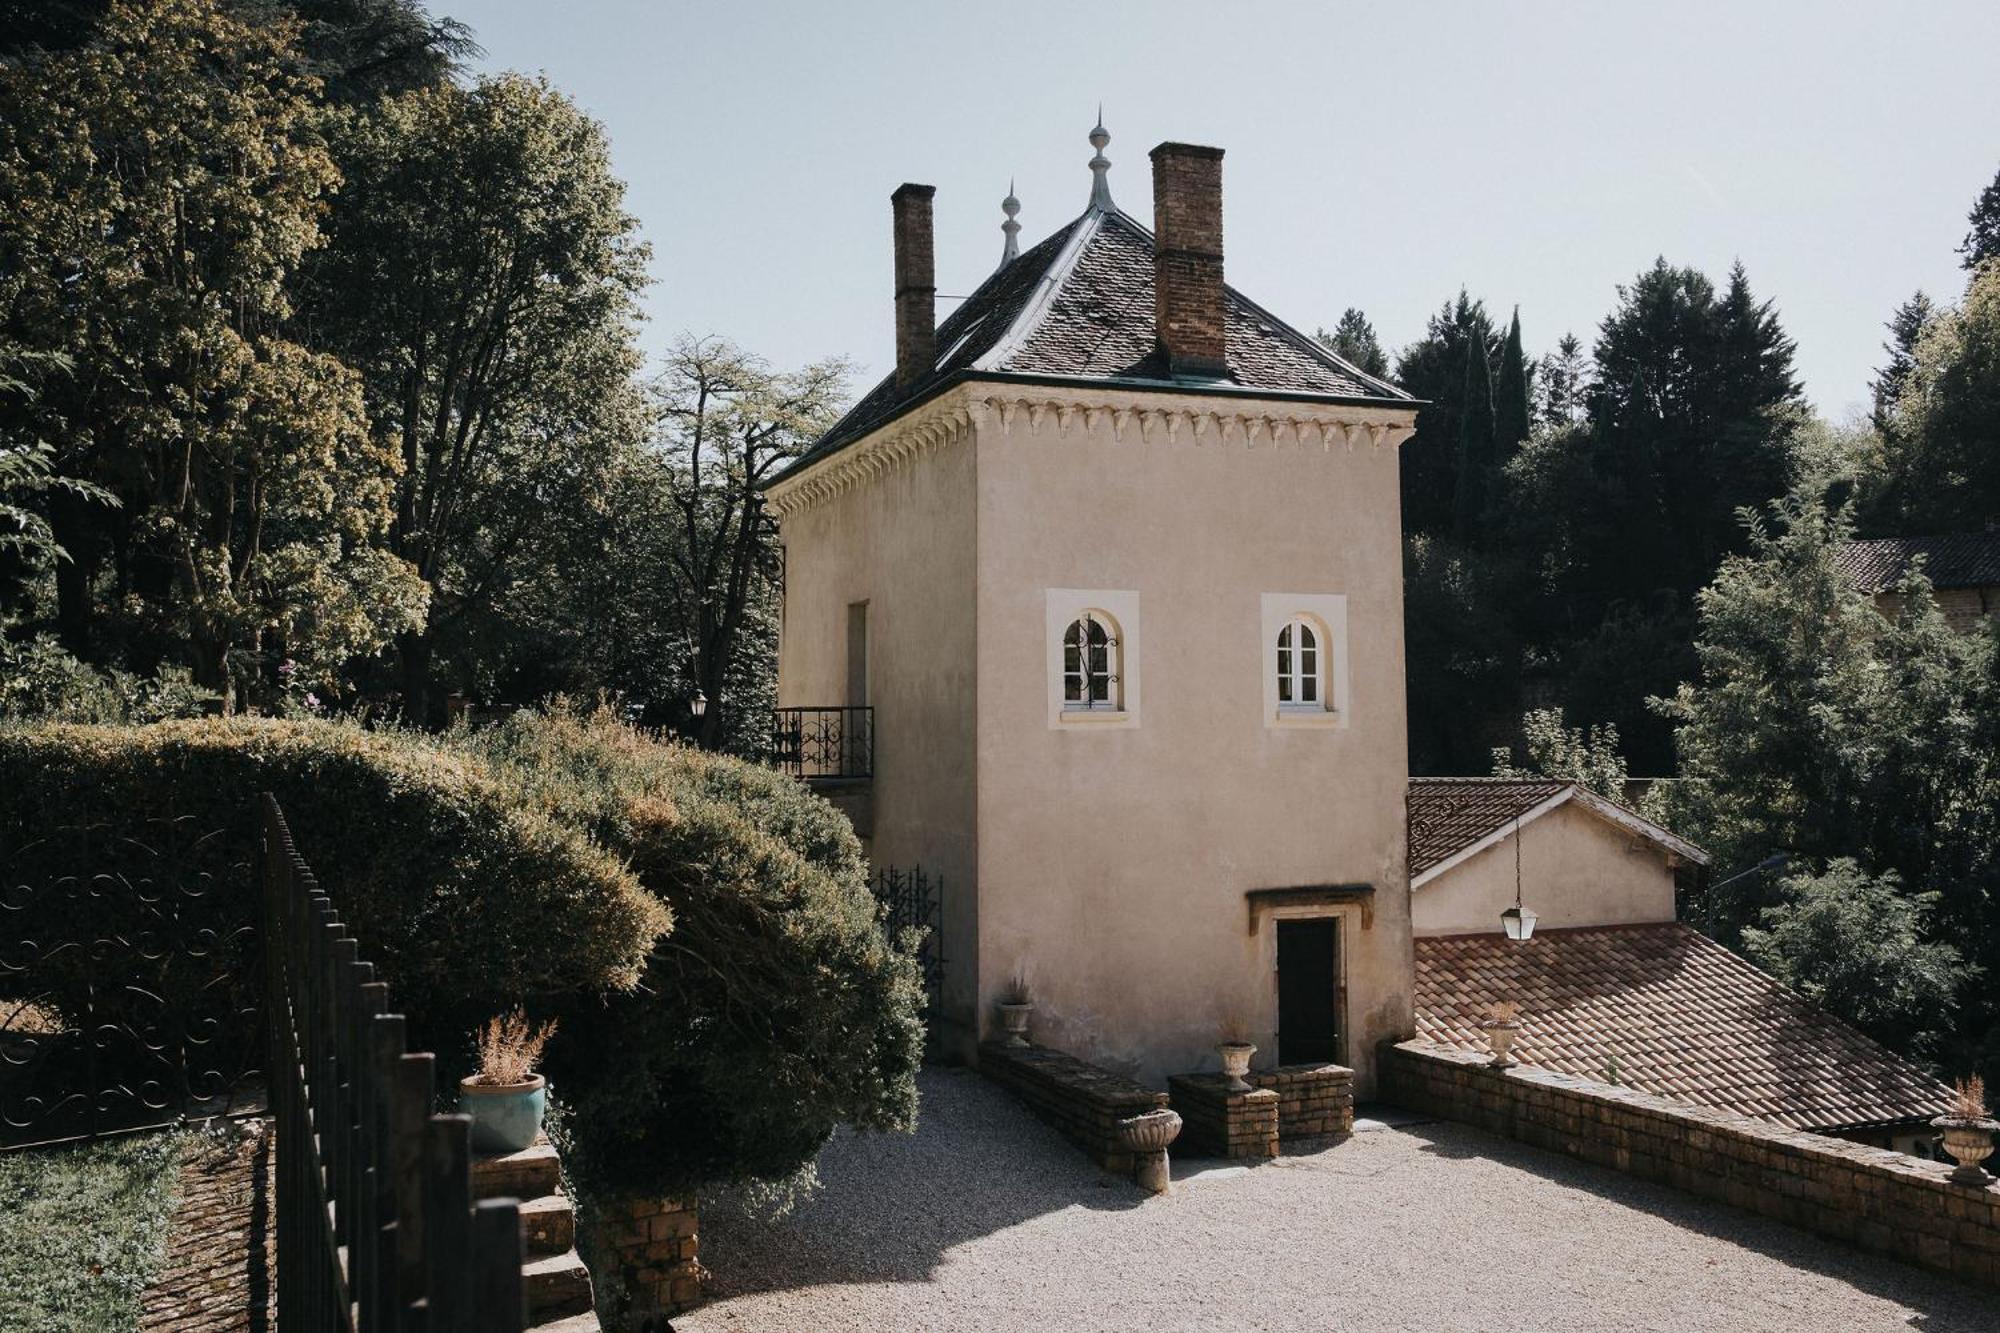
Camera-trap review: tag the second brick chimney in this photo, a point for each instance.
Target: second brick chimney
(1187, 258)
(916, 284)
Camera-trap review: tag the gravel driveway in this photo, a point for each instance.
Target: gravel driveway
(987, 1220)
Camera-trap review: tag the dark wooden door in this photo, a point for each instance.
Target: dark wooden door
(1309, 991)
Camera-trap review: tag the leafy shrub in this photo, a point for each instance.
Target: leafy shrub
(42, 681)
(469, 899)
(774, 1012)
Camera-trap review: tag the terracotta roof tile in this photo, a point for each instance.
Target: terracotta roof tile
(1447, 815)
(1957, 560)
(1670, 1012)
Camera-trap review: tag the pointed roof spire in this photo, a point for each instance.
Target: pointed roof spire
(1010, 206)
(1100, 186)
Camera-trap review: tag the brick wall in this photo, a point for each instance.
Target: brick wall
(1878, 1199)
(645, 1255)
(1188, 303)
(1313, 1100)
(1219, 1123)
(1082, 1101)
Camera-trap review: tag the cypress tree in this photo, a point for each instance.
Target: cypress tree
(1905, 327)
(1510, 396)
(1475, 445)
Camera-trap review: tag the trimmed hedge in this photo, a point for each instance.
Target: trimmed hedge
(775, 1011)
(469, 899)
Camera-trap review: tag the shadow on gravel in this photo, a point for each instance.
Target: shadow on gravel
(1945, 1305)
(891, 1205)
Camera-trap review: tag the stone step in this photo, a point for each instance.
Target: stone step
(576, 1323)
(529, 1174)
(548, 1224)
(557, 1286)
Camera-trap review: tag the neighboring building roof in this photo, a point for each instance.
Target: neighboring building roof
(1079, 306)
(1453, 819)
(1956, 560)
(1666, 1010)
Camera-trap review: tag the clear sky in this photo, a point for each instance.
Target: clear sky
(1379, 155)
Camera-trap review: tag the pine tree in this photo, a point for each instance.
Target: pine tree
(1982, 241)
(1475, 446)
(1905, 327)
(1510, 396)
(1353, 340)
(1561, 379)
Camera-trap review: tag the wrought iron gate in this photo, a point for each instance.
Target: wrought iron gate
(914, 900)
(129, 988)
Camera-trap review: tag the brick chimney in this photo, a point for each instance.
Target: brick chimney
(916, 284)
(1187, 257)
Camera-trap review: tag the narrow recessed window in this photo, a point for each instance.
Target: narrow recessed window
(1301, 667)
(1090, 663)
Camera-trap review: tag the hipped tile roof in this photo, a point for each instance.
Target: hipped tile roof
(1666, 1010)
(1079, 305)
(1956, 560)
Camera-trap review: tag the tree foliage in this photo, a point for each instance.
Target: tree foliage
(1353, 340)
(1982, 236)
(1587, 756)
(481, 279)
(162, 183)
(1941, 441)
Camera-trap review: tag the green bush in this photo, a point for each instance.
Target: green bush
(775, 1011)
(469, 899)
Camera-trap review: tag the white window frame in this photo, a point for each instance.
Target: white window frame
(1118, 612)
(1326, 615)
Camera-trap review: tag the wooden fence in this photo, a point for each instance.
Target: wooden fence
(376, 1225)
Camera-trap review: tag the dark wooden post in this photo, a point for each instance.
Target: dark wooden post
(498, 1300)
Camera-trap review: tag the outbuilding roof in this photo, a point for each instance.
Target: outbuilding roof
(1665, 1009)
(1453, 819)
(1955, 560)
(1078, 307)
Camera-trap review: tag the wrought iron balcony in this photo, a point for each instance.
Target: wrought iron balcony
(824, 744)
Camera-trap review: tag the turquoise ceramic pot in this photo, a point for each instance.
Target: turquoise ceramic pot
(505, 1118)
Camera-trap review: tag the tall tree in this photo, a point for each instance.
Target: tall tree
(482, 278)
(161, 184)
(727, 425)
(1476, 446)
(1560, 381)
(1905, 327)
(1353, 340)
(1982, 237)
(1433, 368)
(1941, 443)
(1511, 414)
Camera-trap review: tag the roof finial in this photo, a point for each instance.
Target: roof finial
(1010, 206)
(1100, 186)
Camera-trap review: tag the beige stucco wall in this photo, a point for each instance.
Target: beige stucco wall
(903, 542)
(1114, 861)
(1576, 870)
(1965, 609)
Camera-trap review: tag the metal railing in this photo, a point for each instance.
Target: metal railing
(824, 743)
(377, 1228)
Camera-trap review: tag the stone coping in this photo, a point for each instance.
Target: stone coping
(1081, 1101)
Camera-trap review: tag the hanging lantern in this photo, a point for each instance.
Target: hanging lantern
(698, 705)
(1518, 922)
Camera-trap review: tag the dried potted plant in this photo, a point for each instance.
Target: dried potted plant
(1501, 1025)
(1235, 1048)
(506, 1097)
(1017, 1002)
(1968, 1130)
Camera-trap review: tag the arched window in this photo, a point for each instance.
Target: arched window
(1092, 662)
(1301, 667)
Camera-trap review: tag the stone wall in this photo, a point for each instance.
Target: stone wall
(1313, 1100)
(645, 1256)
(1219, 1123)
(1881, 1200)
(1082, 1101)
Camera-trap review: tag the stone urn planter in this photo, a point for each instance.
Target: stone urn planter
(1148, 1136)
(1014, 1019)
(1236, 1063)
(506, 1117)
(1500, 1034)
(1969, 1139)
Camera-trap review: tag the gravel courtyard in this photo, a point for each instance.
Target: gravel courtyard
(987, 1220)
